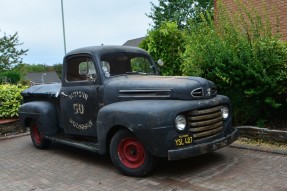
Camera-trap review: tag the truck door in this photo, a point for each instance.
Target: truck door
(80, 96)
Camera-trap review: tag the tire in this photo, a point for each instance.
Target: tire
(129, 155)
(38, 140)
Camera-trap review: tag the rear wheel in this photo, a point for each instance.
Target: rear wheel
(38, 140)
(129, 155)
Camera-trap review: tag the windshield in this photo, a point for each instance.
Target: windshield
(126, 63)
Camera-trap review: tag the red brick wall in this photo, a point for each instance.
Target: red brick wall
(276, 10)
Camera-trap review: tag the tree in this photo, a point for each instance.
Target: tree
(166, 43)
(166, 40)
(245, 61)
(9, 54)
(179, 11)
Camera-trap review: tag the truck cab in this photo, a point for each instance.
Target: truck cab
(112, 100)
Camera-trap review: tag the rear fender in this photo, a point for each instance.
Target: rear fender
(43, 112)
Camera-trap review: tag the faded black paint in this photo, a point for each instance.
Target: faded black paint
(145, 104)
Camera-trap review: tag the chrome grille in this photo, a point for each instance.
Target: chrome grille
(205, 122)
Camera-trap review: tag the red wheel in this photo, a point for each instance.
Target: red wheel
(129, 154)
(38, 140)
(36, 134)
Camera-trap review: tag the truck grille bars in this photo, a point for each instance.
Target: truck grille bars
(205, 123)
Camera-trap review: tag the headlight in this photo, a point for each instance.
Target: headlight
(225, 112)
(180, 122)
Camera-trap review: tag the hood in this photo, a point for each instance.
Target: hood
(133, 87)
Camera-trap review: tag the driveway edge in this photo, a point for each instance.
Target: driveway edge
(258, 148)
(262, 133)
(14, 136)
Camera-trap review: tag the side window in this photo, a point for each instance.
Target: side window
(81, 69)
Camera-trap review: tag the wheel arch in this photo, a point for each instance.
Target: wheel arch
(28, 121)
(111, 133)
(43, 112)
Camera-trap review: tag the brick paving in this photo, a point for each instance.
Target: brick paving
(25, 168)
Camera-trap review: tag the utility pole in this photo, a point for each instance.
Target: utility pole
(63, 26)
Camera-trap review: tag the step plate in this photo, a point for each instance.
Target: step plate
(75, 142)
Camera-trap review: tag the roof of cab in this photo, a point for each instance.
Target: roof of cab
(100, 50)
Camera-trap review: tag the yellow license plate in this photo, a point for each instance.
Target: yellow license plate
(183, 140)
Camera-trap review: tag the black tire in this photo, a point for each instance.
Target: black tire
(129, 155)
(38, 140)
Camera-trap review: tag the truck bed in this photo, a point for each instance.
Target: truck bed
(46, 90)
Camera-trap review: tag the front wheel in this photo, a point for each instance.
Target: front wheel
(129, 155)
(38, 140)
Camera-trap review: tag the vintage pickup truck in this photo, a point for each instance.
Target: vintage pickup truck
(112, 100)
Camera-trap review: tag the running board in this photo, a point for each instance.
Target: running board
(75, 142)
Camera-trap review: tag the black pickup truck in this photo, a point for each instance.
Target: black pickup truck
(112, 100)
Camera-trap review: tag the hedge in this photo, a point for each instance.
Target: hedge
(10, 100)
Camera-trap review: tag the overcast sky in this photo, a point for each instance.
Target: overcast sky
(87, 23)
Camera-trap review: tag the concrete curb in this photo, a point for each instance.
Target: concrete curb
(11, 121)
(262, 133)
(4, 121)
(14, 136)
(258, 148)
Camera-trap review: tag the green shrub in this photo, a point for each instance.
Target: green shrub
(10, 100)
(246, 62)
(10, 77)
(167, 44)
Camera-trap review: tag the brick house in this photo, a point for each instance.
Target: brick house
(276, 10)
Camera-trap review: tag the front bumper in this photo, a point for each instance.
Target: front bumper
(192, 150)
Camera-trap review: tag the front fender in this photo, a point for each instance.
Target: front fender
(152, 121)
(43, 112)
(140, 117)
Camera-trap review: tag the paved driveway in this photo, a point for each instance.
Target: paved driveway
(24, 168)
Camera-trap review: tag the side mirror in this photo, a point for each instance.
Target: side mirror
(160, 62)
